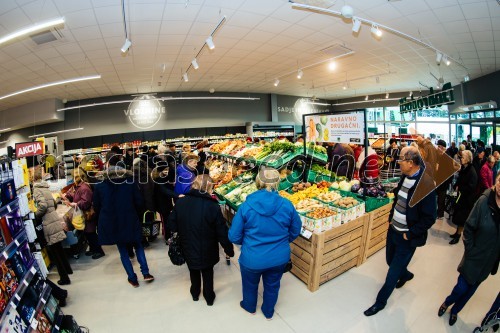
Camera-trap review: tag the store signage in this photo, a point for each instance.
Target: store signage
(145, 111)
(292, 108)
(445, 96)
(29, 149)
(342, 128)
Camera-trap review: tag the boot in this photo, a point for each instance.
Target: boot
(455, 239)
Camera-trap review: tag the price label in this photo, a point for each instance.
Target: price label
(17, 297)
(34, 323)
(9, 209)
(5, 255)
(16, 241)
(306, 233)
(25, 282)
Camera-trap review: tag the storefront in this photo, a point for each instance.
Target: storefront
(484, 125)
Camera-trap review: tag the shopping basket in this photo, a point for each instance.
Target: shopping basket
(150, 227)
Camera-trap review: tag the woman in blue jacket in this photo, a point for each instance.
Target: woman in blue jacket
(185, 174)
(264, 226)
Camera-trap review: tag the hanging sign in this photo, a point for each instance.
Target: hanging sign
(445, 96)
(341, 128)
(145, 111)
(29, 149)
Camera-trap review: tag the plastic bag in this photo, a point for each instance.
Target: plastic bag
(175, 251)
(78, 219)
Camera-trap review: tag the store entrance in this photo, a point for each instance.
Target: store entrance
(485, 132)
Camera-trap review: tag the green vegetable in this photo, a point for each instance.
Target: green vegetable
(318, 127)
(323, 119)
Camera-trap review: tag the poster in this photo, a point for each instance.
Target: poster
(341, 128)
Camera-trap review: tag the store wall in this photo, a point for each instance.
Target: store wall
(290, 109)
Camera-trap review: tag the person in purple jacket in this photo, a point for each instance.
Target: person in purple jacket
(264, 226)
(185, 174)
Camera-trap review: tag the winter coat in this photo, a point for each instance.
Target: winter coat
(142, 176)
(117, 201)
(264, 226)
(478, 164)
(341, 162)
(82, 196)
(367, 166)
(466, 183)
(46, 211)
(481, 240)
(201, 227)
(485, 177)
(184, 179)
(421, 216)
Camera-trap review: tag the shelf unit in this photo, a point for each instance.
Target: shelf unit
(270, 129)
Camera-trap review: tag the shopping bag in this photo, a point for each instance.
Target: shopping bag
(78, 220)
(175, 251)
(71, 239)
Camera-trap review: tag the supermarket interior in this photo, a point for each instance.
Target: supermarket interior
(337, 113)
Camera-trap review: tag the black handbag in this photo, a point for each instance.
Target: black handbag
(175, 251)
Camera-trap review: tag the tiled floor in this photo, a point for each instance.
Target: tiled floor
(101, 299)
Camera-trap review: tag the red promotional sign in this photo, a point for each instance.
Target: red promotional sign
(29, 149)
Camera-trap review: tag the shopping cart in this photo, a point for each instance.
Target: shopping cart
(449, 204)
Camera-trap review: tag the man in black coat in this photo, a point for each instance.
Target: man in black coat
(409, 223)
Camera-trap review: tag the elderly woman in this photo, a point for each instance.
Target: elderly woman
(264, 226)
(486, 174)
(466, 188)
(185, 174)
(200, 225)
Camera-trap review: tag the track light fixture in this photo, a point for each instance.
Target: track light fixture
(439, 57)
(447, 61)
(356, 25)
(195, 64)
(386, 95)
(126, 45)
(299, 74)
(210, 43)
(366, 98)
(376, 31)
(276, 82)
(345, 86)
(185, 77)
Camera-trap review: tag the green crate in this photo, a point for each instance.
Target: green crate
(315, 177)
(371, 203)
(286, 183)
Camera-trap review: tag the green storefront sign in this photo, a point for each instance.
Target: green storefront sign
(445, 96)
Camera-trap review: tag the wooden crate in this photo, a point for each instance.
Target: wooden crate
(331, 253)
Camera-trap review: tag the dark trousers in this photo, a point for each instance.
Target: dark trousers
(441, 196)
(57, 255)
(208, 283)
(92, 239)
(460, 294)
(398, 255)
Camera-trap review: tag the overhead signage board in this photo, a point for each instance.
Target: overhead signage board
(341, 128)
(145, 111)
(445, 96)
(27, 149)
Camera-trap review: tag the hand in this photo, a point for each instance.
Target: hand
(405, 237)
(73, 204)
(181, 195)
(230, 255)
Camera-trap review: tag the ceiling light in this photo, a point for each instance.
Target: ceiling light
(46, 85)
(347, 11)
(195, 64)
(299, 74)
(447, 61)
(344, 87)
(387, 95)
(439, 56)
(126, 45)
(376, 31)
(366, 98)
(37, 27)
(210, 43)
(185, 77)
(63, 131)
(4, 129)
(276, 82)
(356, 25)
(332, 65)
(466, 78)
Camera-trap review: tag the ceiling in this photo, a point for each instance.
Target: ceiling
(260, 40)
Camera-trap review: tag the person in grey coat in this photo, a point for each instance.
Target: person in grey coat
(482, 250)
(52, 228)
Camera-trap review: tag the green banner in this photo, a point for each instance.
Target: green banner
(445, 96)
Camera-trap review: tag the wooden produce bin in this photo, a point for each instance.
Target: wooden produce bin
(328, 254)
(377, 230)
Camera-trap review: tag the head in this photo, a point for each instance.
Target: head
(461, 148)
(496, 155)
(77, 176)
(466, 157)
(202, 145)
(496, 186)
(441, 146)
(112, 158)
(409, 160)
(268, 178)
(480, 152)
(191, 161)
(186, 148)
(79, 158)
(453, 144)
(116, 149)
(171, 147)
(491, 161)
(393, 143)
(469, 137)
(203, 183)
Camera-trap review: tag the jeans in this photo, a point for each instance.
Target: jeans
(460, 294)
(127, 264)
(398, 255)
(250, 279)
(208, 283)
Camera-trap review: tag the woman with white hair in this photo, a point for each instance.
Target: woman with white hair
(264, 226)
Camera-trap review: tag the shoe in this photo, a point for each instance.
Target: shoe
(196, 299)
(148, 277)
(134, 283)
(241, 305)
(453, 319)
(454, 235)
(373, 310)
(89, 253)
(210, 303)
(63, 282)
(442, 309)
(131, 255)
(62, 303)
(98, 255)
(76, 256)
(271, 318)
(402, 282)
(454, 240)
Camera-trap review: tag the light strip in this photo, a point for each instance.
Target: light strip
(1, 143)
(37, 27)
(4, 129)
(369, 101)
(317, 103)
(56, 132)
(161, 99)
(51, 84)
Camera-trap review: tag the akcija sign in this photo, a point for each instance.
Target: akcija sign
(27, 149)
(445, 96)
(145, 111)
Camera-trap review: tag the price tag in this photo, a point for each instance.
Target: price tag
(5, 255)
(44, 300)
(16, 241)
(17, 297)
(306, 233)
(34, 323)
(9, 209)
(25, 282)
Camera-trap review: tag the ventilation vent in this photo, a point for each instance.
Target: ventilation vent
(336, 51)
(47, 36)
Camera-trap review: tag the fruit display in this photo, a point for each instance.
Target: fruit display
(329, 196)
(349, 208)
(310, 192)
(307, 205)
(300, 186)
(323, 184)
(239, 194)
(321, 213)
(321, 219)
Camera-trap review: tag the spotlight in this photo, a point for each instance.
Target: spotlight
(344, 87)
(356, 25)
(126, 46)
(439, 57)
(376, 31)
(299, 74)
(332, 65)
(366, 98)
(347, 11)
(466, 78)
(185, 77)
(210, 43)
(276, 82)
(447, 61)
(195, 64)
(387, 95)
